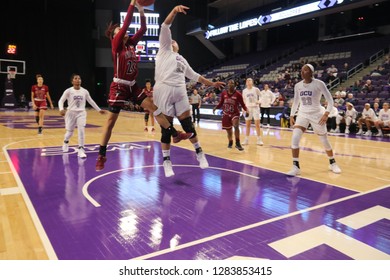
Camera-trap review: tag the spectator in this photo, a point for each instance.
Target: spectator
(383, 119)
(368, 117)
(341, 92)
(349, 117)
(350, 99)
(367, 87)
(338, 101)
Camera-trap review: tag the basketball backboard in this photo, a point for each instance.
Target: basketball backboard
(13, 67)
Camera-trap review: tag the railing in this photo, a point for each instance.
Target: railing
(376, 56)
(355, 70)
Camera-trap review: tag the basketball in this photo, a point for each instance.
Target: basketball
(145, 3)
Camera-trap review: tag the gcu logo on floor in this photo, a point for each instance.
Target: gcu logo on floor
(55, 151)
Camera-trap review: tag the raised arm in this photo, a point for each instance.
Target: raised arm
(178, 9)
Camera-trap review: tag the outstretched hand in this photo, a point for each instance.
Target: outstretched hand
(219, 85)
(181, 9)
(139, 7)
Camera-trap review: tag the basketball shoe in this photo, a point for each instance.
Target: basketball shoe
(295, 171)
(334, 168)
(181, 136)
(167, 164)
(203, 163)
(81, 153)
(100, 162)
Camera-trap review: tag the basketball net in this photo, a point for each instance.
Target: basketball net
(11, 74)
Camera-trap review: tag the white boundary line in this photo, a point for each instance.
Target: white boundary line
(97, 204)
(233, 231)
(34, 216)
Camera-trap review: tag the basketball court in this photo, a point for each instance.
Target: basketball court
(54, 205)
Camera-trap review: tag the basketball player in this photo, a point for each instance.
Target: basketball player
(170, 93)
(39, 94)
(124, 86)
(148, 90)
(230, 101)
(251, 95)
(383, 119)
(76, 115)
(307, 95)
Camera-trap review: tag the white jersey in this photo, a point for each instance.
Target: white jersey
(334, 112)
(308, 97)
(384, 115)
(351, 113)
(251, 96)
(171, 67)
(266, 98)
(369, 113)
(76, 100)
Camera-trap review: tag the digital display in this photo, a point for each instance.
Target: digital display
(11, 49)
(135, 25)
(147, 50)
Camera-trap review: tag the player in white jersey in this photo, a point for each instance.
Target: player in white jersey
(251, 96)
(368, 117)
(76, 115)
(383, 119)
(349, 117)
(170, 93)
(307, 95)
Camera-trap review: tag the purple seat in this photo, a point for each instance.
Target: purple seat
(361, 95)
(384, 95)
(372, 94)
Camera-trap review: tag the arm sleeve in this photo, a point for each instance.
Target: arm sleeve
(190, 73)
(295, 104)
(220, 101)
(62, 100)
(165, 37)
(327, 95)
(273, 98)
(91, 101)
(241, 101)
(117, 40)
(137, 36)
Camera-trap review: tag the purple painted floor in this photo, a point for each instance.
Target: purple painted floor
(130, 210)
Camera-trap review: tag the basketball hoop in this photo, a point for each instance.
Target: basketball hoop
(11, 74)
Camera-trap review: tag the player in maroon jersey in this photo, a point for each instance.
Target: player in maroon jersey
(39, 94)
(148, 90)
(124, 87)
(229, 102)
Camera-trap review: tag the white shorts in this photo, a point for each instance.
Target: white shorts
(75, 118)
(171, 101)
(254, 113)
(313, 119)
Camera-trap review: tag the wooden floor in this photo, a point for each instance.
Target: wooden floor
(365, 164)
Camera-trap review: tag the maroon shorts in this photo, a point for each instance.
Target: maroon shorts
(227, 120)
(41, 105)
(121, 94)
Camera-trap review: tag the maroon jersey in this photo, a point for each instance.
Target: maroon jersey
(230, 103)
(148, 93)
(39, 93)
(124, 56)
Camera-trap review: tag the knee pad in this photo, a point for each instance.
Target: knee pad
(325, 142)
(68, 134)
(188, 126)
(296, 137)
(146, 117)
(165, 136)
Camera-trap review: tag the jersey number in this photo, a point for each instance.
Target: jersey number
(306, 100)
